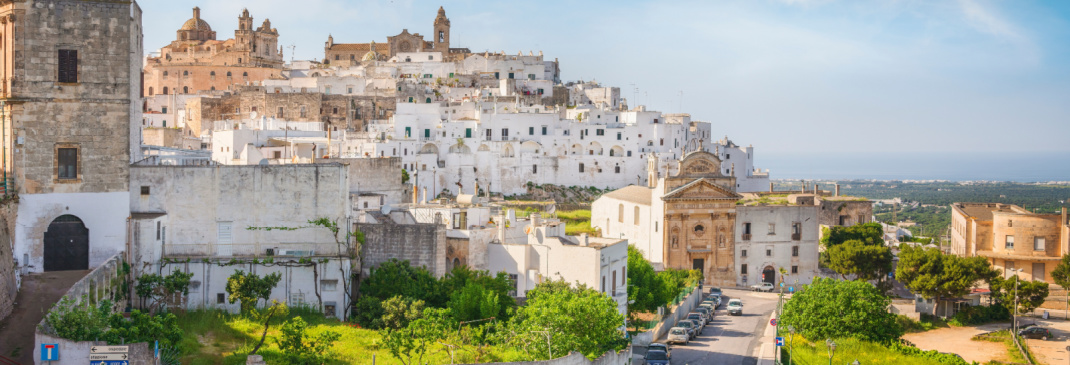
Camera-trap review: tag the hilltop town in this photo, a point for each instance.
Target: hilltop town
(208, 201)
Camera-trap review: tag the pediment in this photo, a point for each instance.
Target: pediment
(700, 164)
(702, 189)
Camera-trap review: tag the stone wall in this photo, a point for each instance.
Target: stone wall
(9, 274)
(77, 353)
(624, 357)
(423, 245)
(852, 211)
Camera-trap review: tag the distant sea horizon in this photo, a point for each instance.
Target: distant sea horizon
(951, 166)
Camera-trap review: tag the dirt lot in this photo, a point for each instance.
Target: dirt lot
(957, 340)
(1052, 351)
(37, 295)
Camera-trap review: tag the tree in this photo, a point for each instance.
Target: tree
(646, 292)
(1031, 294)
(396, 277)
(301, 347)
(1061, 276)
(499, 286)
(473, 302)
(575, 318)
(868, 233)
(369, 312)
(830, 308)
(404, 176)
(250, 288)
(157, 288)
(399, 311)
(409, 344)
(867, 262)
(935, 275)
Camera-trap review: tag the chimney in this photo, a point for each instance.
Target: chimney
(837, 189)
(583, 240)
(817, 191)
(424, 200)
(415, 194)
(770, 186)
(535, 220)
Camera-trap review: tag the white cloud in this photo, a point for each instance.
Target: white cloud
(984, 19)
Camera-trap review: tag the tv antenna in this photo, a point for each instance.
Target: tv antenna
(293, 49)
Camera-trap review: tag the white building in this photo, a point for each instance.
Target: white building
(773, 235)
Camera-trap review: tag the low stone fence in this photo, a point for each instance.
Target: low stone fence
(624, 357)
(77, 353)
(662, 328)
(101, 283)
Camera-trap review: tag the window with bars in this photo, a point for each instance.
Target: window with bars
(68, 65)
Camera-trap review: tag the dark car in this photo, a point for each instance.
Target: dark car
(1036, 333)
(660, 347)
(655, 357)
(706, 312)
(699, 319)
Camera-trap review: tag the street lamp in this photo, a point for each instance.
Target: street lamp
(791, 341)
(1014, 325)
(831, 347)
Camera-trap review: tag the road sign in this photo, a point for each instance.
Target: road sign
(49, 351)
(791, 290)
(105, 357)
(772, 321)
(121, 362)
(780, 341)
(156, 347)
(109, 349)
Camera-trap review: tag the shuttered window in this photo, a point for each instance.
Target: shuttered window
(68, 163)
(68, 65)
(224, 235)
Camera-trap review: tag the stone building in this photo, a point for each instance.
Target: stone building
(195, 61)
(71, 105)
(1011, 238)
(773, 234)
(397, 235)
(348, 54)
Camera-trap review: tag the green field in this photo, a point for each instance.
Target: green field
(804, 352)
(215, 337)
(577, 221)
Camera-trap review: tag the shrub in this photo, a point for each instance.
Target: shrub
(982, 314)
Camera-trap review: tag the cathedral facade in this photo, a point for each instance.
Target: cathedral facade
(195, 61)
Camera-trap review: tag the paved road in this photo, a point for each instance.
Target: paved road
(730, 340)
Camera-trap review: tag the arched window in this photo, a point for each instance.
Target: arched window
(616, 169)
(428, 101)
(674, 238)
(699, 230)
(165, 74)
(185, 73)
(213, 88)
(244, 74)
(150, 90)
(620, 213)
(636, 220)
(228, 74)
(185, 89)
(165, 90)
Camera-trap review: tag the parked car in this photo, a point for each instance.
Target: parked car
(1036, 333)
(690, 326)
(698, 326)
(654, 357)
(660, 347)
(699, 319)
(715, 290)
(678, 335)
(763, 287)
(706, 313)
(735, 307)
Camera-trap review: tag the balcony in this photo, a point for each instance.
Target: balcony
(746, 236)
(212, 250)
(796, 236)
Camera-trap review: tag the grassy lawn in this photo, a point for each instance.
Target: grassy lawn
(577, 221)
(805, 352)
(215, 337)
(926, 324)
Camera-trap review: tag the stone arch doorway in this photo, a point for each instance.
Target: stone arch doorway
(769, 275)
(66, 244)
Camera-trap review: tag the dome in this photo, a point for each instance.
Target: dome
(370, 56)
(196, 24)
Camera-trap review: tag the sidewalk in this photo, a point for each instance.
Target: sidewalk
(767, 351)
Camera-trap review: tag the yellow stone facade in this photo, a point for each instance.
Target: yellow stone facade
(700, 213)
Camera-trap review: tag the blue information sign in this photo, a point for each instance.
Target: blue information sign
(110, 362)
(49, 351)
(791, 289)
(780, 341)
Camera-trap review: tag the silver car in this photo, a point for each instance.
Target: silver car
(678, 335)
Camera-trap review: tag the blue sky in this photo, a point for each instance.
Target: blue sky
(788, 76)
